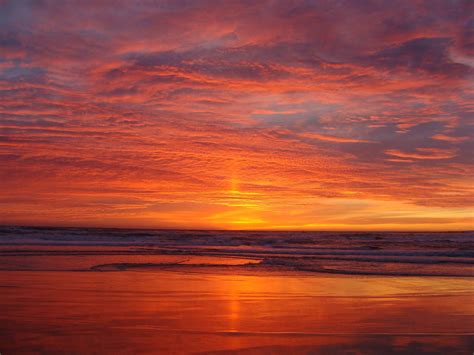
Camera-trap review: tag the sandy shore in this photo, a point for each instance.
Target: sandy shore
(192, 311)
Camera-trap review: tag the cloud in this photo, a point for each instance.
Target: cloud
(443, 137)
(327, 138)
(424, 153)
(430, 55)
(282, 104)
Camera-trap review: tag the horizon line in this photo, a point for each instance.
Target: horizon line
(235, 230)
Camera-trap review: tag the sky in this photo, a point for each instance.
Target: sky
(297, 115)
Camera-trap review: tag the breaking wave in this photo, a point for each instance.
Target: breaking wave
(381, 253)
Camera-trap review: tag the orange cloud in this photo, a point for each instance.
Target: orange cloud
(443, 137)
(236, 115)
(424, 153)
(332, 138)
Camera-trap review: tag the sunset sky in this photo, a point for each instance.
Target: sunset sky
(315, 115)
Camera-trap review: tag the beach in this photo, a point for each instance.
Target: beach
(236, 177)
(193, 312)
(64, 297)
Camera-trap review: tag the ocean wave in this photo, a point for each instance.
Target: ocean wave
(89, 249)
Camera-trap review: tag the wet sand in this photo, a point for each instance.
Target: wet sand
(204, 310)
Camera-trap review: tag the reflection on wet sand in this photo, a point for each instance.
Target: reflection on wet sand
(189, 311)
